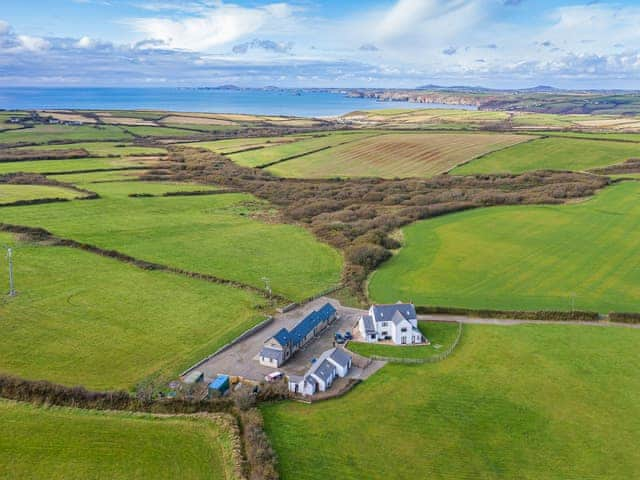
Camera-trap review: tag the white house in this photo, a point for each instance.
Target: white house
(319, 378)
(397, 322)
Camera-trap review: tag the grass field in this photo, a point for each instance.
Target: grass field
(145, 131)
(75, 164)
(396, 155)
(15, 193)
(103, 149)
(552, 154)
(208, 234)
(58, 443)
(48, 133)
(237, 144)
(256, 158)
(523, 258)
(81, 319)
(440, 334)
(526, 402)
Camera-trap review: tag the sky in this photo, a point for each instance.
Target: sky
(315, 43)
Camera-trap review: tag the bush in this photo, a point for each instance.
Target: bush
(548, 315)
(367, 255)
(624, 317)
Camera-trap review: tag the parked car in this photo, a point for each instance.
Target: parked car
(347, 335)
(274, 377)
(339, 338)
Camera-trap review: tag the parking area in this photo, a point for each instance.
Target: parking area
(242, 358)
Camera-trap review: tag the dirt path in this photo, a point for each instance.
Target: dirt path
(513, 321)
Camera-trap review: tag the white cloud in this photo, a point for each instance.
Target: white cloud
(218, 25)
(85, 42)
(33, 44)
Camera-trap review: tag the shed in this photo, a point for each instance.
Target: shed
(220, 384)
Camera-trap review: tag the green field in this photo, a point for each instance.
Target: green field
(15, 193)
(526, 402)
(64, 444)
(396, 155)
(523, 258)
(552, 154)
(103, 149)
(75, 164)
(440, 334)
(256, 158)
(82, 319)
(208, 234)
(145, 131)
(237, 144)
(49, 133)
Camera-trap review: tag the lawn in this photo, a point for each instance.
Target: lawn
(48, 133)
(523, 257)
(256, 158)
(209, 234)
(552, 154)
(62, 443)
(440, 334)
(82, 319)
(527, 402)
(396, 155)
(75, 164)
(16, 193)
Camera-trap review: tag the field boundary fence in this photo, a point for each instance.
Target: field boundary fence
(433, 359)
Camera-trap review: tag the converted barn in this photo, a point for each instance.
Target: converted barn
(284, 344)
(332, 364)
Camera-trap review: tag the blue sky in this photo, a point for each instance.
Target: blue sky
(375, 43)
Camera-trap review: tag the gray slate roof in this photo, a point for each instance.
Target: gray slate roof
(341, 357)
(272, 353)
(324, 370)
(368, 324)
(386, 313)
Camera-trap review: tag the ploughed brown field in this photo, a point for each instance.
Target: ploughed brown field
(397, 155)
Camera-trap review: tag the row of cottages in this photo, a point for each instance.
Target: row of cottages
(331, 364)
(397, 322)
(284, 344)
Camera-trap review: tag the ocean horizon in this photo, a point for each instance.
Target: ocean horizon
(303, 103)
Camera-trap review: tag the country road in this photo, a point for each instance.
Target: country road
(507, 322)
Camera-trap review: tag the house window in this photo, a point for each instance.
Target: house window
(373, 336)
(383, 324)
(384, 334)
(403, 330)
(404, 340)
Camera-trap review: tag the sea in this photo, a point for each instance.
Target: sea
(301, 103)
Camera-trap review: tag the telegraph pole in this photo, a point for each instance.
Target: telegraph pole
(12, 290)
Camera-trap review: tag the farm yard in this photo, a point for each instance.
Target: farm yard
(61, 443)
(523, 258)
(529, 401)
(552, 154)
(200, 226)
(395, 155)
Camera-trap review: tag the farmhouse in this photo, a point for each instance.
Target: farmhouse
(284, 344)
(331, 364)
(397, 322)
